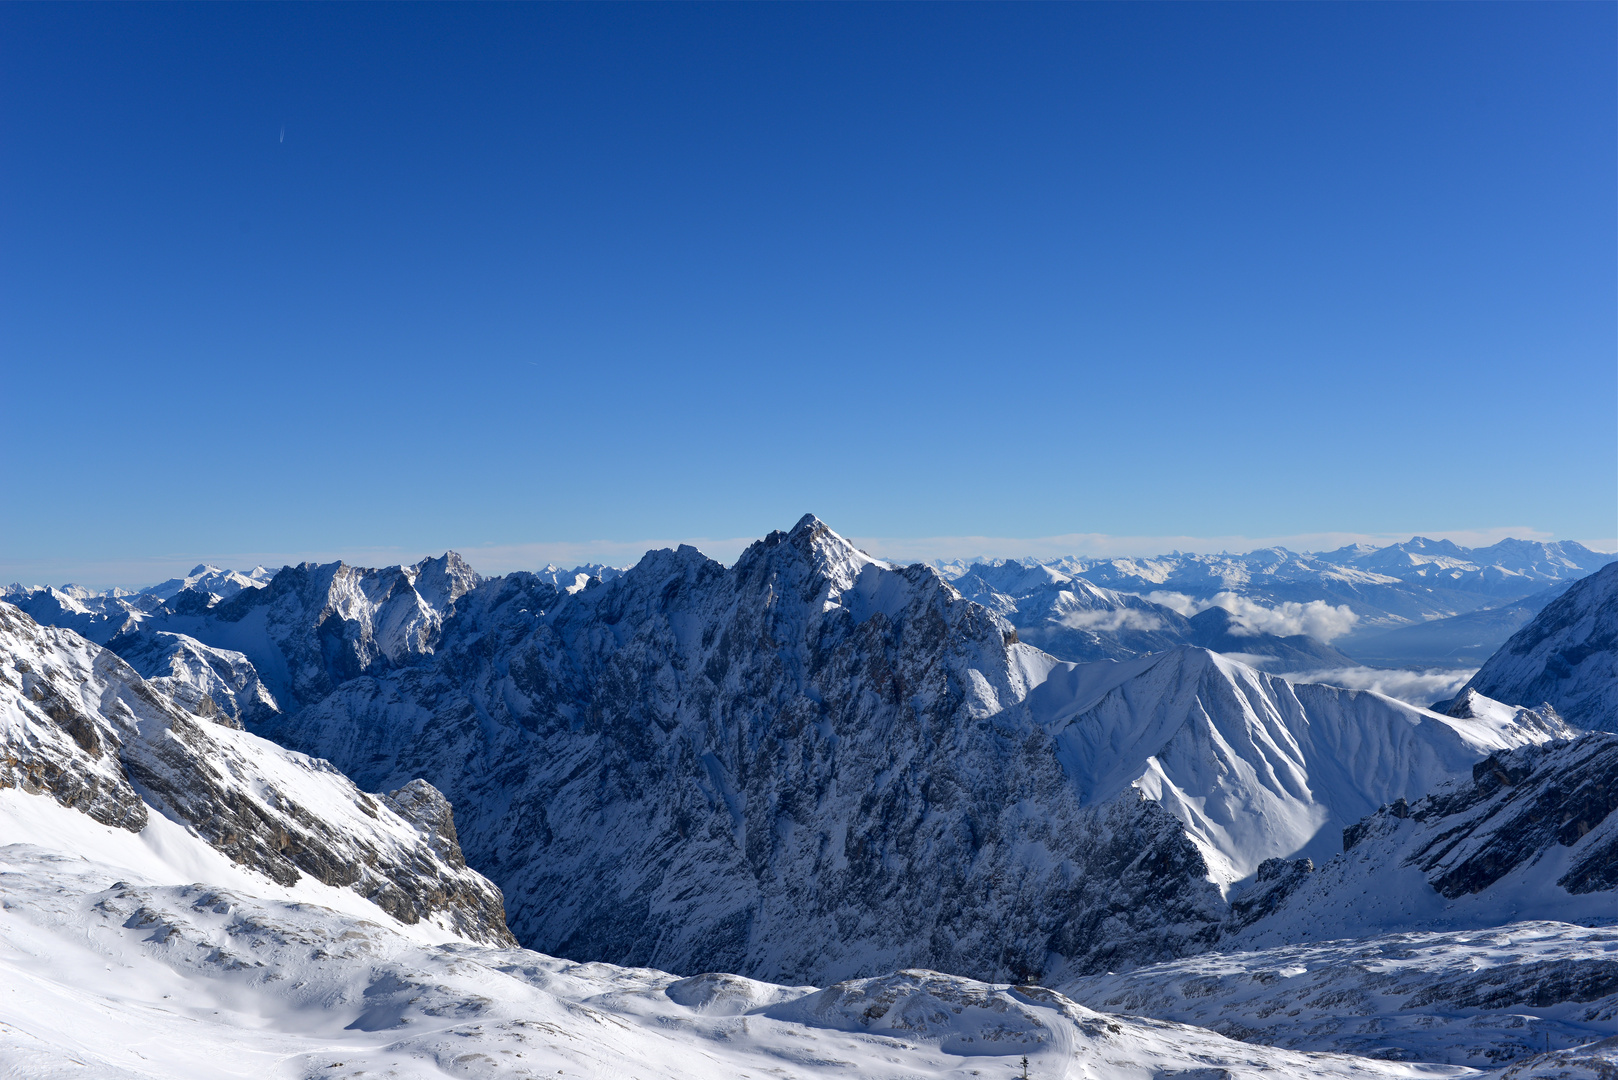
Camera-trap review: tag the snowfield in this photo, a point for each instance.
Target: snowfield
(1478, 997)
(114, 965)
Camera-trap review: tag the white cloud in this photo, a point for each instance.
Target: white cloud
(1417, 687)
(1177, 602)
(1110, 622)
(1318, 619)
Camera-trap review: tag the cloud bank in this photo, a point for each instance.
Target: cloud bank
(1417, 687)
(1318, 619)
(1111, 622)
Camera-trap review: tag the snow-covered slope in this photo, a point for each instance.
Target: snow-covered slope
(1254, 766)
(1475, 997)
(1530, 833)
(815, 765)
(113, 966)
(1568, 656)
(81, 727)
(1413, 943)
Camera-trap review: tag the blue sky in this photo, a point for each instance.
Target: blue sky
(305, 280)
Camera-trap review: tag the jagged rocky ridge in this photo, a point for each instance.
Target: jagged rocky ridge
(1567, 656)
(80, 726)
(815, 765)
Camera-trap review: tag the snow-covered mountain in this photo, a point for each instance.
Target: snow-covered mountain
(1568, 656)
(79, 726)
(211, 579)
(198, 677)
(815, 765)
(312, 627)
(571, 581)
(182, 899)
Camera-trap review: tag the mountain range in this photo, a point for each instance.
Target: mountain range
(1358, 596)
(810, 767)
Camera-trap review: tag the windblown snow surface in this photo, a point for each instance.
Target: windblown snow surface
(149, 956)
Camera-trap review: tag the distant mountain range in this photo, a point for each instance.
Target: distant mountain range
(1420, 603)
(1423, 603)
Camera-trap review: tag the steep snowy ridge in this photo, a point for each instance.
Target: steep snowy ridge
(816, 765)
(1567, 656)
(1254, 766)
(1531, 832)
(79, 725)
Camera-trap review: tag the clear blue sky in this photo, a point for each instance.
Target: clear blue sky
(314, 278)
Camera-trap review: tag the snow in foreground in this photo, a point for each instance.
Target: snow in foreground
(1474, 997)
(111, 966)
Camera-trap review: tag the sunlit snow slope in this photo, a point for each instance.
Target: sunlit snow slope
(115, 965)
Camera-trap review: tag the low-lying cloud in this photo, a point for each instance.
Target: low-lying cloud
(1417, 687)
(1318, 619)
(1110, 622)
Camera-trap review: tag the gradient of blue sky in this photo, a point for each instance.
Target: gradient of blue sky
(528, 275)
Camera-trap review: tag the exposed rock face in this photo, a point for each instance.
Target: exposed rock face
(61, 730)
(1519, 804)
(80, 725)
(1276, 880)
(815, 765)
(1567, 656)
(804, 764)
